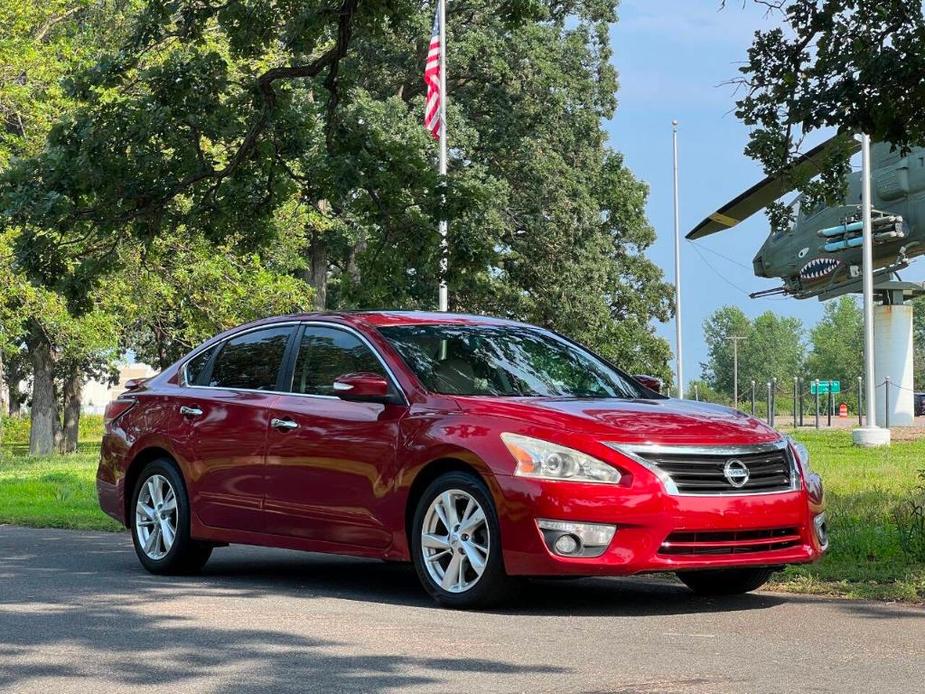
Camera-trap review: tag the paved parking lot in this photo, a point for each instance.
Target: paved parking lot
(78, 614)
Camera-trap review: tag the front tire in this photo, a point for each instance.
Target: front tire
(160, 514)
(725, 581)
(456, 544)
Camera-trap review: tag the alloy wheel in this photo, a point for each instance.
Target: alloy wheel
(455, 541)
(156, 517)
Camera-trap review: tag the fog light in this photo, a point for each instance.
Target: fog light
(576, 539)
(822, 530)
(567, 544)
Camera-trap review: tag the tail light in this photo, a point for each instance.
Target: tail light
(116, 409)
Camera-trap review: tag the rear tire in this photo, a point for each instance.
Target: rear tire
(725, 581)
(160, 522)
(461, 565)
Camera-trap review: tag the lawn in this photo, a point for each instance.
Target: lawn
(55, 492)
(863, 488)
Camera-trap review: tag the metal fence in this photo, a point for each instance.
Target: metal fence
(795, 404)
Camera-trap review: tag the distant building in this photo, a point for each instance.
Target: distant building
(96, 394)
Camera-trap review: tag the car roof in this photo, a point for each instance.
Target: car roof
(377, 319)
(391, 318)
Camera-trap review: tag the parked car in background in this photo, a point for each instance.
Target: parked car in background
(482, 450)
(919, 404)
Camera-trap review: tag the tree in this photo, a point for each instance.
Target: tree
(918, 342)
(725, 322)
(772, 349)
(185, 290)
(854, 65)
(42, 43)
(836, 341)
(157, 299)
(232, 119)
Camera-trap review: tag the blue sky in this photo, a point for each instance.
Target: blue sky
(673, 56)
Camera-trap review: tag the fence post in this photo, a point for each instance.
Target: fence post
(816, 382)
(800, 381)
(860, 400)
(886, 403)
(697, 392)
(829, 408)
(795, 387)
(753, 397)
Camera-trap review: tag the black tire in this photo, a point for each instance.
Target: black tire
(494, 586)
(725, 581)
(185, 556)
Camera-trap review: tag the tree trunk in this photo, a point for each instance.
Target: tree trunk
(318, 272)
(4, 396)
(73, 389)
(44, 412)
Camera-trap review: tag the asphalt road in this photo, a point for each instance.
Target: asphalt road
(77, 613)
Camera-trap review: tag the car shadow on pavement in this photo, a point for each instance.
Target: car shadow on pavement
(76, 605)
(392, 583)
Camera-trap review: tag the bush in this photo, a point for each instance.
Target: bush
(910, 521)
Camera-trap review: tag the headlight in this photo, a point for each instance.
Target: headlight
(812, 480)
(549, 461)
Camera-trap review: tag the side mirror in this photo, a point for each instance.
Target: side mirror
(650, 382)
(363, 387)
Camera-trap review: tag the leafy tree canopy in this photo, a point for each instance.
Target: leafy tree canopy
(836, 343)
(242, 120)
(772, 348)
(854, 65)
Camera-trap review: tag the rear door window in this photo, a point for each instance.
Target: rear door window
(251, 361)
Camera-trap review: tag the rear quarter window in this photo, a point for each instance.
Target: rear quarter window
(194, 373)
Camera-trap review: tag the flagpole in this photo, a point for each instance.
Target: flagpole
(679, 367)
(444, 246)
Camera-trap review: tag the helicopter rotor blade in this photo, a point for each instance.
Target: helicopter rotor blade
(765, 192)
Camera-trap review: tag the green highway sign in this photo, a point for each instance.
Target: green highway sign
(824, 387)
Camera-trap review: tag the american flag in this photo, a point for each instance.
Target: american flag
(432, 80)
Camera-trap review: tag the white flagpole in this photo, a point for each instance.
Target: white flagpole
(444, 246)
(677, 267)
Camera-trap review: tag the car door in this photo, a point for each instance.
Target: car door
(330, 461)
(221, 424)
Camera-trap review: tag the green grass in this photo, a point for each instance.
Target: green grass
(54, 492)
(863, 488)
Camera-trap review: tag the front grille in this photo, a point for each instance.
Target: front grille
(702, 471)
(729, 542)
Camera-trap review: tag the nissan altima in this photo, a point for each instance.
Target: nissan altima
(481, 450)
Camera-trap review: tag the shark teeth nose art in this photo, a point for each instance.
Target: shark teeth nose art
(818, 268)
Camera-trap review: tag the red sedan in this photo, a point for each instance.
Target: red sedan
(480, 449)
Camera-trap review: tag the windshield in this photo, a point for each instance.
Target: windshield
(505, 361)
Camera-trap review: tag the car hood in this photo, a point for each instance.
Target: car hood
(632, 421)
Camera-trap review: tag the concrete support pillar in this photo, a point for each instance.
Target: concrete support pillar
(893, 358)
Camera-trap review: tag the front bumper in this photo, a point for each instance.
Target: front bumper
(645, 516)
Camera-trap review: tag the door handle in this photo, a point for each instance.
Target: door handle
(190, 411)
(283, 424)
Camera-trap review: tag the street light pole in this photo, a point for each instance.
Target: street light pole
(679, 368)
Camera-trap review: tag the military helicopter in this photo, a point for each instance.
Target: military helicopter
(820, 255)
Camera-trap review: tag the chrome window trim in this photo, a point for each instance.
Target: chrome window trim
(632, 452)
(317, 323)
